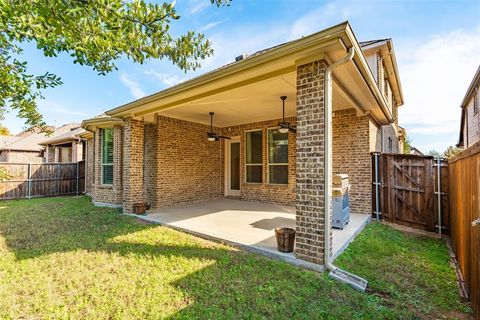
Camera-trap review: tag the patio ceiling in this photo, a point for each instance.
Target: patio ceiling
(249, 90)
(250, 103)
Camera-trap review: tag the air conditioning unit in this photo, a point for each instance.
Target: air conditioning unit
(340, 201)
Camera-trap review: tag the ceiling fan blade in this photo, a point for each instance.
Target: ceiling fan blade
(292, 129)
(224, 137)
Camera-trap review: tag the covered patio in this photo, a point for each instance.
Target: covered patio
(248, 225)
(269, 129)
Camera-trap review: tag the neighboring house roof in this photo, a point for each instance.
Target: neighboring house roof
(414, 150)
(275, 58)
(73, 134)
(27, 143)
(32, 140)
(6, 140)
(468, 96)
(100, 120)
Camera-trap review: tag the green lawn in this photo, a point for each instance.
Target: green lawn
(64, 258)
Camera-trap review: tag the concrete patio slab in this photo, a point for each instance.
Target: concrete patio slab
(248, 225)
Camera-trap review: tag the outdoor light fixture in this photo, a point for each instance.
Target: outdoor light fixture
(284, 125)
(212, 136)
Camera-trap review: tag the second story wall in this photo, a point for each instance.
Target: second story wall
(471, 128)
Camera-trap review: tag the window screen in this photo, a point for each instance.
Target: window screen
(253, 141)
(107, 156)
(277, 157)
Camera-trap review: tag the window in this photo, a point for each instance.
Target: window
(475, 102)
(390, 145)
(277, 157)
(107, 156)
(65, 154)
(253, 141)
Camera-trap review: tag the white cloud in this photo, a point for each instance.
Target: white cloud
(166, 78)
(210, 25)
(133, 86)
(327, 15)
(195, 6)
(53, 107)
(435, 75)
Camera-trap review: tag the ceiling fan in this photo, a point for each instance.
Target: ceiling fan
(284, 125)
(212, 136)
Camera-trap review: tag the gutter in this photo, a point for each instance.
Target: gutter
(308, 42)
(335, 272)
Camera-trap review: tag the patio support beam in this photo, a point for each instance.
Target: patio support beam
(117, 167)
(133, 164)
(310, 157)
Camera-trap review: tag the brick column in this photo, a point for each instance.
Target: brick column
(117, 164)
(97, 144)
(90, 165)
(310, 161)
(133, 191)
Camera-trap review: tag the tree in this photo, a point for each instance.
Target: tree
(451, 151)
(95, 33)
(407, 145)
(4, 131)
(434, 153)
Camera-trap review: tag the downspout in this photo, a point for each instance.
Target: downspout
(336, 273)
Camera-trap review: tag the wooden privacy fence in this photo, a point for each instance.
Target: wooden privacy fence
(464, 173)
(411, 190)
(30, 180)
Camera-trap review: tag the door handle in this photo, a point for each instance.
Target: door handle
(476, 223)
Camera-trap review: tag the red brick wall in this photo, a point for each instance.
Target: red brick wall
(265, 192)
(188, 167)
(351, 155)
(310, 163)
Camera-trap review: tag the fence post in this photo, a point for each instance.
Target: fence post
(29, 179)
(77, 177)
(439, 196)
(377, 184)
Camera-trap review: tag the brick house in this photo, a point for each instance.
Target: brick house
(470, 120)
(62, 144)
(23, 147)
(65, 145)
(156, 149)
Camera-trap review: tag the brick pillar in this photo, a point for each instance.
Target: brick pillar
(97, 144)
(90, 165)
(133, 191)
(117, 164)
(310, 162)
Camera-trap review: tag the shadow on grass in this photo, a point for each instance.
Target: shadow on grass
(44, 226)
(235, 285)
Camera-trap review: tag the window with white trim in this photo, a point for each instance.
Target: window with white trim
(277, 157)
(107, 156)
(253, 156)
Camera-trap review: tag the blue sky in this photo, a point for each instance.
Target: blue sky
(437, 45)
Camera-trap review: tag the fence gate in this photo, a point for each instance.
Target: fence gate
(411, 190)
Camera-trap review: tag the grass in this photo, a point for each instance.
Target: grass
(63, 258)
